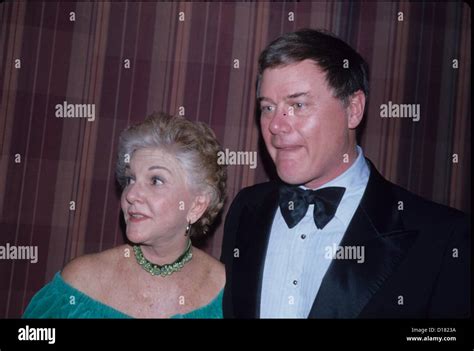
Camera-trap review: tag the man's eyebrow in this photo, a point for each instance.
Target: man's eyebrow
(291, 96)
(263, 98)
(296, 95)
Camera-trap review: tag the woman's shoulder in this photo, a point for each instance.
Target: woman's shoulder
(86, 272)
(212, 269)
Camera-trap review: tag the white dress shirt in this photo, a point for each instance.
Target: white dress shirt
(296, 259)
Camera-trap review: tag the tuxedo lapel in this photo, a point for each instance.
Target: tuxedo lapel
(254, 228)
(376, 227)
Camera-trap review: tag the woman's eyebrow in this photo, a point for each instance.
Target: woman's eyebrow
(159, 167)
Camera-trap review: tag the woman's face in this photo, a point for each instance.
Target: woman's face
(156, 200)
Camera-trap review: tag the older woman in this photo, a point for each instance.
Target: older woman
(173, 188)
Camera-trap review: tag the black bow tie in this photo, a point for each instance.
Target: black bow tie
(294, 203)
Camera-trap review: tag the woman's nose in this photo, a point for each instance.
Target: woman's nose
(134, 193)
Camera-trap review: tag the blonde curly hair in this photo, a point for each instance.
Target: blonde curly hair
(193, 144)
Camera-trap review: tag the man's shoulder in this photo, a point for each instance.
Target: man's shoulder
(412, 204)
(422, 208)
(251, 197)
(255, 193)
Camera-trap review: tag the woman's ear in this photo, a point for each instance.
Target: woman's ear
(198, 207)
(355, 109)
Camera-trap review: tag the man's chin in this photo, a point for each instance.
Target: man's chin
(290, 178)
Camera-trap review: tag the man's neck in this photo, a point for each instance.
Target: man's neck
(342, 167)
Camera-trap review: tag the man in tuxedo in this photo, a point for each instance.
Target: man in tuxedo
(332, 238)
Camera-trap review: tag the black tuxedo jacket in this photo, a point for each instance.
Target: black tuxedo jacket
(416, 259)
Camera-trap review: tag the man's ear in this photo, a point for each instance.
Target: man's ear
(198, 207)
(355, 109)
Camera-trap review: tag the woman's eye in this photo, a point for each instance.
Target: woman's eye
(156, 181)
(128, 180)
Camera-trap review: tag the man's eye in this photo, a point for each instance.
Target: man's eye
(266, 108)
(156, 181)
(298, 105)
(129, 180)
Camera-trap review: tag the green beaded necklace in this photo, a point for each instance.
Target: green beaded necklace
(165, 269)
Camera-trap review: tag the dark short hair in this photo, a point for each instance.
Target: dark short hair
(327, 51)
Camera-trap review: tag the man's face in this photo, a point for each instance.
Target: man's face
(304, 126)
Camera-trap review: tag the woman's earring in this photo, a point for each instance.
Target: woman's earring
(188, 229)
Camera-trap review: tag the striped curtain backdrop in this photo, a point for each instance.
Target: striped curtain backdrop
(57, 185)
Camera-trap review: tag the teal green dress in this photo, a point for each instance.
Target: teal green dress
(58, 299)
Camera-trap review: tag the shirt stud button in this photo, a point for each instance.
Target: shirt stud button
(303, 236)
(295, 282)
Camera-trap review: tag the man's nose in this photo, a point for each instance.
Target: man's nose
(280, 121)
